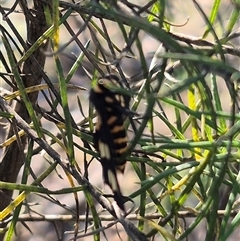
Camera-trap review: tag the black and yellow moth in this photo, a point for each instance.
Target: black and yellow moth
(110, 138)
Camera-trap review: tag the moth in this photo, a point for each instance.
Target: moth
(110, 138)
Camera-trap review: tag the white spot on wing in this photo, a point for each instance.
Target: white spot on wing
(104, 150)
(113, 181)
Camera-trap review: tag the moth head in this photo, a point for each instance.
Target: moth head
(103, 85)
(109, 82)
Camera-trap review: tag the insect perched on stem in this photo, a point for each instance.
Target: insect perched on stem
(110, 138)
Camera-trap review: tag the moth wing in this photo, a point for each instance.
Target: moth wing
(104, 143)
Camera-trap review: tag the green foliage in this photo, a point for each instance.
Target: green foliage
(184, 146)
